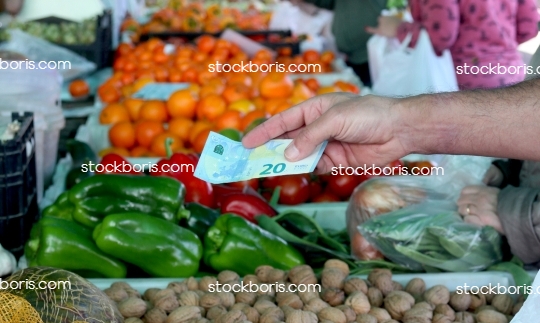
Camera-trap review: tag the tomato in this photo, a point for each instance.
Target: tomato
(326, 197)
(294, 190)
(325, 178)
(395, 166)
(253, 183)
(343, 185)
(270, 182)
(200, 192)
(315, 189)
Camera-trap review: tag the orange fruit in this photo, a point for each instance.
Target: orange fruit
(250, 117)
(311, 56)
(161, 74)
(79, 88)
(158, 144)
(312, 84)
(109, 94)
(146, 131)
(235, 92)
(263, 54)
(182, 103)
(327, 57)
(211, 107)
(114, 150)
(230, 119)
(209, 89)
(240, 78)
(122, 135)
(243, 106)
(282, 107)
(139, 152)
(200, 141)
(259, 103)
(206, 43)
(198, 126)
(154, 110)
(133, 106)
(205, 76)
(271, 105)
(302, 91)
(142, 82)
(190, 75)
(114, 113)
(181, 127)
(276, 85)
(175, 76)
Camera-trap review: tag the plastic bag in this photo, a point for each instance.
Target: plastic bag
(410, 71)
(432, 236)
(37, 50)
(387, 194)
(530, 311)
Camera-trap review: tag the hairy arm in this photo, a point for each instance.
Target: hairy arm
(498, 123)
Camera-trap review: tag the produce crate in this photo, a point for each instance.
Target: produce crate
(260, 35)
(18, 189)
(101, 51)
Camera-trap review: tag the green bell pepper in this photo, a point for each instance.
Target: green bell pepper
(61, 208)
(65, 244)
(100, 195)
(235, 244)
(81, 153)
(199, 219)
(160, 248)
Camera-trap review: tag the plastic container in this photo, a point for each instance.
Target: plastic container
(18, 192)
(37, 91)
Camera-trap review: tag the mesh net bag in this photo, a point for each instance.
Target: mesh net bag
(17, 309)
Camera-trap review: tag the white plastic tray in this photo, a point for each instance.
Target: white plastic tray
(451, 280)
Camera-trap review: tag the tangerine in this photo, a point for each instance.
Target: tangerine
(182, 103)
(200, 140)
(276, 85)
(243, 106)
(199, 126)
(230, 119)
(181, 127)
(235, 92)
(146, 131)
(122, 135)
(114, 150)
(250, 117)
(211, 107)
(109, 94)
(114, 113)
(159, 143)
(139, 152)
(206, 43)
(79, 88)
(133, 106)
(154, 110)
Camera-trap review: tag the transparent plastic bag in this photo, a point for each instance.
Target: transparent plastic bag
(37, 50)
(382, 195)
(432, 236)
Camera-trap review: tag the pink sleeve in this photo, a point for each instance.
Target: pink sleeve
(440, 18)
(526, 20)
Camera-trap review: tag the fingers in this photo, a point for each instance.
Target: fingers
(467, 209)
(472, 219)
(473, 189)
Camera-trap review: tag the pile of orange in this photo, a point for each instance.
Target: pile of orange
(310, 61)
(134, 67)
(140, 128)
(194, 17)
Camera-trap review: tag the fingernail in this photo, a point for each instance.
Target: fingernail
(291, 152)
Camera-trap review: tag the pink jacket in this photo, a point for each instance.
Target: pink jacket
(480, 33)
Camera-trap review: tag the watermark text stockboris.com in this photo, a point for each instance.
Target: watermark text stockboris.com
(263, 288)
(124, 167)
(34, 285)
(497, 69)
(250, 67)
(34, 65)
(494, 289)
(372, 170)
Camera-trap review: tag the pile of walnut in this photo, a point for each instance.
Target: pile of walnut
(342, 299)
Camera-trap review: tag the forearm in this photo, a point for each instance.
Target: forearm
(498, 123)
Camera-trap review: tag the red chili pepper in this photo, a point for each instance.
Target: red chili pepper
(246, 205)
(116, 164)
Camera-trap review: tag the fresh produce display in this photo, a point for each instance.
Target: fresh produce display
(83, 302)
(194, 17)
(342, 299)
(67, 33)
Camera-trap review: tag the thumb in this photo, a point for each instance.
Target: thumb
(310, 137)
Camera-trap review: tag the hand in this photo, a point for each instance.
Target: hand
(388, 26)
(361, 130)
(478, 205)
(493, 176)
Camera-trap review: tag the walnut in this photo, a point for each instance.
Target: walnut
(333, 278)
(397, 286)
(477, 300)
(238, 306)
(382, 279)
(516, 308)
(133, 320)
(262, 273)
(121, 285)
(150, 293)
(375, 297)
(271, 315)
(132, 307)
(203, 311)
(203, 320)
(178, 287)
(338, 264)
(302, 274)
(282, 295)
(503, 303)
(359, 302)
(263, 305)
(460, 302)
(484, 307)
(184, 314)
(397, 303)
(250, 279)
(333, 296)
(424, 305)
(215, 311)
(332, 314)
(207, 282)
(417, 315)
(355, 284)
(192, 283)
(366, 318)
(163, 293)
(287, 310)
(276, 276)
(490, 316)
(155, 315)
(308, 296)
(265, 298)
(464, 317)
(166, 300)
(133, 293)
(315, 305)
(200, 293)
(416, 287)
(209, 300)
(251, 314)
(348, 311)
(227, 299)
(265, 289)
(246, 297)
(188, 298)
(233, 316)
(380, 314)
(390, 321)
(441, 318)
(299, 316)
(445, 310)
(292, 300)
(228, 277)
(436, 295)
(116, 294)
